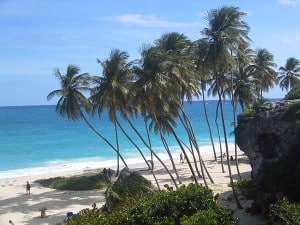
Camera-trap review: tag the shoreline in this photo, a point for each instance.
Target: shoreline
(82, 164)
(24, 209)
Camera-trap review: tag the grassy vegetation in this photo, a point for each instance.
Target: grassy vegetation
(192, 204)
(293, 94)
(246, 188)
(284, 213)
(290, 114)
(78, 183)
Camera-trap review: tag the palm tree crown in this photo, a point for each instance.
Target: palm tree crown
(289, 74)
(71, 97)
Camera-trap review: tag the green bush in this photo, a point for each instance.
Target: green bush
(293, 94)
(132, 186)
(95, 215)
(290, 114)
(80, 183)
(248, 112)
(216, 216)
(166, 207)
(284, 213)
(246, 188)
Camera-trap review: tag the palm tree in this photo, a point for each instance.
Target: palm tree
(112, 88)
(198, 52)
(182, 83)
(289, 74)
(263, 69)
(72, 101)
(225, 33)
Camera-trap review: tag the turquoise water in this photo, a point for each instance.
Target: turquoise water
(36, 137)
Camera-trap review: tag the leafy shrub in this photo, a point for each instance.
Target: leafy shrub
(168, 207)
(284, 213)
(95, 215)
(132, 185)
(79, 183)
(246, 188)
(293, 94)
(290, 114)
(248, 112)
(216, 216)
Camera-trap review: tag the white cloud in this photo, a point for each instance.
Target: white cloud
(152, 21)
(292, 3)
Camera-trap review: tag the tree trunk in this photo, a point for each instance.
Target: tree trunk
(191, 148)
(219, 136)
(118, 149)
(170, 155)
(141, 153)
(148, 137)
(235, 145)
(103, 138)
(194, 140)
(239, 206)
(185, 155)
(151, 150)
(208, 124)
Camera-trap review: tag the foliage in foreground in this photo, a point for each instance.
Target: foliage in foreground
(187, 205)
(80, 183)
(132, 185)
(246, 189)
(284, 213)
(291, 113)
(293, 94)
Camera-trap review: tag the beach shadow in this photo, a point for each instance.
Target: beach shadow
(53, 200)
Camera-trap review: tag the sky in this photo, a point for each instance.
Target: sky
(37, 36)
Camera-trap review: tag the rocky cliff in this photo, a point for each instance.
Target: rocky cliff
(272, 142)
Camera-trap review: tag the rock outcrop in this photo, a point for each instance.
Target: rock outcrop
(272, 144)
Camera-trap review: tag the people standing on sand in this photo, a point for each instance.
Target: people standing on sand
(182, 157)
(28, 188)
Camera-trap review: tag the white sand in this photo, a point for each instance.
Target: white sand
(23, 209)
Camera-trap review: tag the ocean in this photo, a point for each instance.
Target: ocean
(36, 140)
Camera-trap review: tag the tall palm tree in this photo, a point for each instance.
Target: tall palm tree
(225, 33)
(198, 52)
(263, 69)
(72, 101)
(289, 74)
(182, 83)
(112, 88)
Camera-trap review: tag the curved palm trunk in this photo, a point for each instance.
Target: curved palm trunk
(148, 137)
(170, 155)
(103, 138)
(151, 150)
(141, 153)
(239, 206)
(185, 125)
(208, 125)
(235, 145)
(194, 140)
(219, 136)
(185, 155)
(118, 149)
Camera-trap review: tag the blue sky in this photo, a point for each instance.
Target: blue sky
(37, 36)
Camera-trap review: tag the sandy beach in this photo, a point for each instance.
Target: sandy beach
(23, 209)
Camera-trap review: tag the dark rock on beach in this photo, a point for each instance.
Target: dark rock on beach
(272, 144)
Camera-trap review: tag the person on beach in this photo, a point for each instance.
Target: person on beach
(181, 157)
(28, 188)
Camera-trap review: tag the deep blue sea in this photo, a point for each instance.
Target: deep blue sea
(35, 139)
